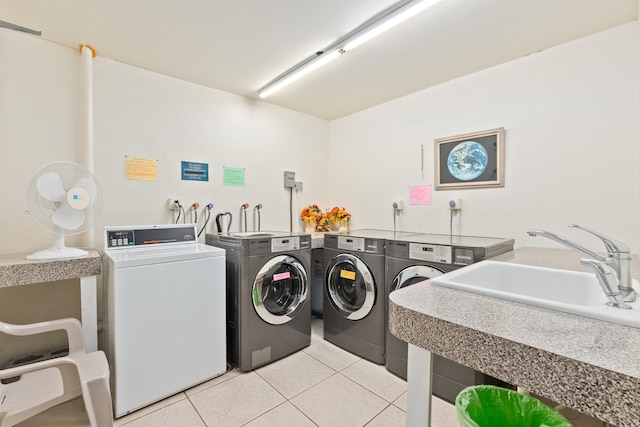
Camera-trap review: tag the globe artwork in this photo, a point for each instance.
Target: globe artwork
(467, 160)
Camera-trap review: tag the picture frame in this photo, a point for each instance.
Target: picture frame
(472, 160)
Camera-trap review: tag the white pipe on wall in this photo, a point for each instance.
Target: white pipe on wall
(88, 53)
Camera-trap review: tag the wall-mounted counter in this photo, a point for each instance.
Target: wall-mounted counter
(589, 365)
(15, 270)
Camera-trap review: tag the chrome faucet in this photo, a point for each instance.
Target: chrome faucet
(618, 257)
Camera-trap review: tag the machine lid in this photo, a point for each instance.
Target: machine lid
(457, 240)
(351, 288)
(280, 289)
(137, 256)
(378, 234)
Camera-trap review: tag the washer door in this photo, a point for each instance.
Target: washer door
(350, 286)
(414, 274)
(280, 290)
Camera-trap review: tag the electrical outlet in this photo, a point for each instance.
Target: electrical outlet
(173, 203)
(297, 186)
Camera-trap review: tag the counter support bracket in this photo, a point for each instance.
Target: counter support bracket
(419, 379)
(89, 312)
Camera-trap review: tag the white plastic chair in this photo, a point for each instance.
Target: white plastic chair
(46, 383)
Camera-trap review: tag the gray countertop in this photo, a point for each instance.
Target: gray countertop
(589, 365)
(16, 270)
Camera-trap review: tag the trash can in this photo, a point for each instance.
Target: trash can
(490, 406)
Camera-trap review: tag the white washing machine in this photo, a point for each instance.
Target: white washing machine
(165, 312)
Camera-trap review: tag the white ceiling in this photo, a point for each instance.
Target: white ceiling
(240, 45)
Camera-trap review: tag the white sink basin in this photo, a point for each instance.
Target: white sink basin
(562, 290)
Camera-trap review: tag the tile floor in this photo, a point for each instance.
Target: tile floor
(322, 385)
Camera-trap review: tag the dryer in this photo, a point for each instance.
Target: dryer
(414, 259)
(268, 296)
(354, 307)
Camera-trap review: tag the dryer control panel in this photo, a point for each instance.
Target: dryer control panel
(349, 243)
(432, 253)
(280, 244)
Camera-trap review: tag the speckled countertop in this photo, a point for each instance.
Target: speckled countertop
(16, 270)
(317, 240)
(589, 365)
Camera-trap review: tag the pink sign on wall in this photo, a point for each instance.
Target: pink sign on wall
(420, 195)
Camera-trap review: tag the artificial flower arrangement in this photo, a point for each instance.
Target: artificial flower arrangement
(339, 214)
(313, 215)
(310, 214)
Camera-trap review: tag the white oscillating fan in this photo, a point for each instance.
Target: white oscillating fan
(65, 199)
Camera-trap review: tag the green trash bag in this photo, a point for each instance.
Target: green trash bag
(490, 406)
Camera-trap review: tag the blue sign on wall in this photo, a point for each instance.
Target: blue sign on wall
(192, 171)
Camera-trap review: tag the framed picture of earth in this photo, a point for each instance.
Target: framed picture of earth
(473, 160)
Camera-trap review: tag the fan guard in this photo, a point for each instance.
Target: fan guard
(65, 199)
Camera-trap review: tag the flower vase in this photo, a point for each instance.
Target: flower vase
(343, 226)
(309, 228)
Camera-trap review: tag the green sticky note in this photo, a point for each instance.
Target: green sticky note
(233, 176)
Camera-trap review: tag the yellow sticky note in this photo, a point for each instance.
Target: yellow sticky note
(141, 169)
(346, 274)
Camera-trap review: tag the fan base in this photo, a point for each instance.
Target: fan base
(57, 253)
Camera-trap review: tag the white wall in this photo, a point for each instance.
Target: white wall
(571, 118)
(570, 114)
(145, 114)
(39, 112)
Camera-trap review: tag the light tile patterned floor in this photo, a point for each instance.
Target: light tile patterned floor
(322, 385)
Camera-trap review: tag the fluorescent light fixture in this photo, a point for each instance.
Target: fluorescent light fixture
(300, 71)
(388, 19)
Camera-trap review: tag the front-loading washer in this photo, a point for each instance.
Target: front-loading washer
(354, 307)
(417, 258)
(268, 295)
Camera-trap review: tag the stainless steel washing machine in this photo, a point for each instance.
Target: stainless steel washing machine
(354, 306)
(268, 295)
(413, 259)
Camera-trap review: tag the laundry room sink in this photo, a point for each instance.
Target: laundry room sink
(561, 290)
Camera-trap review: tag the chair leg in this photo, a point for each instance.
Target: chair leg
(94, 379)
(97, 401)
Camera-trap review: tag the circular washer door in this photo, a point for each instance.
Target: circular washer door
(280, 290)
(414, 274)
(350, 286)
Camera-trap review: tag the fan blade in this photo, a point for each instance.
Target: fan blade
(89, 186)
(50, 187)
(67, 217)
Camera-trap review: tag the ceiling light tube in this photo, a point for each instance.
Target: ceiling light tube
(301, 71)
(355, 39)
(389, 21)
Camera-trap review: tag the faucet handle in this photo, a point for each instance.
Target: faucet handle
(613, 246)
(608, 281)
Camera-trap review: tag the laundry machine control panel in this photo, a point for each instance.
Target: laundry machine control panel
(355, 244)
(349, 243)
(280, 244)
(431, 253)
(164, 234)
